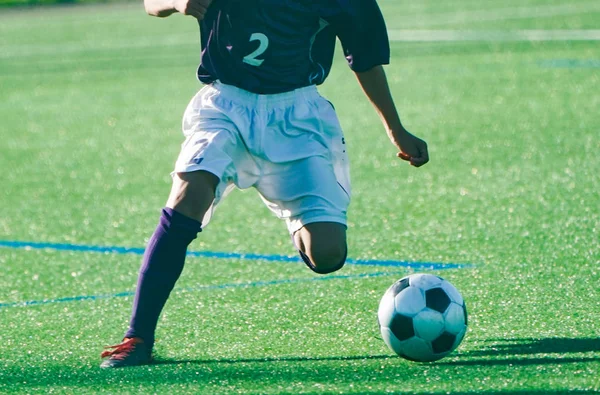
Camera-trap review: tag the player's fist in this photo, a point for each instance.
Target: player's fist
(412, 148)
(195, 8)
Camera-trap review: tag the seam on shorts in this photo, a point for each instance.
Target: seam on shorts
(344, 189)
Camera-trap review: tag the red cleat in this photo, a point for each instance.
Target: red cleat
(131, 352)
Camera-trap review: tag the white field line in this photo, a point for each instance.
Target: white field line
(64, 48)
(492, 35)
(94, 13)
(16, 51)
(496, 14)
(413, 21)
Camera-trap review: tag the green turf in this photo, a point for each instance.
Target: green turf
(91, 99)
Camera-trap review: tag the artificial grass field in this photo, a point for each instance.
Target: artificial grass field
(91, 100)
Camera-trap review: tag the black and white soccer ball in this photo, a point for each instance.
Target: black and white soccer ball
(422, 317)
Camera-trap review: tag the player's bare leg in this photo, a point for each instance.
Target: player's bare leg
(192, 193)
(323, 246)
(191, 196)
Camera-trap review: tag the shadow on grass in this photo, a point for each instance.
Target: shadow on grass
(161, 361)
(270, 373)
(517, 361)
(485, 392)
(507, 352)
(550, 345)
(517, 352)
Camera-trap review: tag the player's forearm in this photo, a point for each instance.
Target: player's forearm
(160, 8)
(374, 84)
(376, 87)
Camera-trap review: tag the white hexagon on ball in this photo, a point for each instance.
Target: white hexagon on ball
(425, 281)
(415, 348)
(455, 318)
(410, 301)
(452, 292)
(390, 340)
(428, 324)
(386, 309)
(459, 338)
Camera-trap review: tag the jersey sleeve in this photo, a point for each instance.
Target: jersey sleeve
(360, 26)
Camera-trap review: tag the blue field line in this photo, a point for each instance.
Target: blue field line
(261, 283)
(225, 255)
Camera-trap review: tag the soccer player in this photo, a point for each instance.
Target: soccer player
(260, 122)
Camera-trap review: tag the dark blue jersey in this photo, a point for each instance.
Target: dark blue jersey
(274, 46)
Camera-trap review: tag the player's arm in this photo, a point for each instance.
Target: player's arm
(164, 8)
(374, 84)
(361, 28)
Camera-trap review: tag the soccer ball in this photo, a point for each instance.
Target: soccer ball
(422, 317)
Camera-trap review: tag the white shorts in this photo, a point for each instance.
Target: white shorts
(289, 147)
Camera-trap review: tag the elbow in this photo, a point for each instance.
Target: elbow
(149, 9)
(153, 10)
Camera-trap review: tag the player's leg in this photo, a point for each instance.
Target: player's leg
(322, 246)
(203, 172)
(193, 193)
(191, 196)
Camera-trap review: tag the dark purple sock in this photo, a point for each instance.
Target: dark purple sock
(161, 267)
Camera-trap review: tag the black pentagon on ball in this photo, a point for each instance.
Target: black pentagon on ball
(443, 343)
(437, 299)
(402, 327)
(465, 311)
(398, 286)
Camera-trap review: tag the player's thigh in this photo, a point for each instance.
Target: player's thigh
(304, 191)
(324, 243)
(192, 193)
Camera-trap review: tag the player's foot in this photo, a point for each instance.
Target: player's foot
(131, 352)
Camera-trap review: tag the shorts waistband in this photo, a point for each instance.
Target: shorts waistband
(255, 99)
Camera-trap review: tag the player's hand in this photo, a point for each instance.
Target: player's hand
(195, 8)
(412, 148)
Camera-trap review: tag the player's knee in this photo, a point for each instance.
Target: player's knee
(326, 259)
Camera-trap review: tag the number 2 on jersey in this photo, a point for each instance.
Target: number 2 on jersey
(264, 44)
